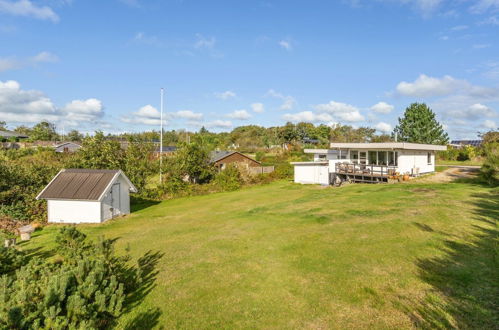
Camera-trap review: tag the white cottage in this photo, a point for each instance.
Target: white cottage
(87, 196)
(366, 162)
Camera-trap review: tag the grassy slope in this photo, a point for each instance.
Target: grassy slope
(287, 255)
(476, 162)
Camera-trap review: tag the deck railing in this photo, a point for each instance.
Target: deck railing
(365, 169)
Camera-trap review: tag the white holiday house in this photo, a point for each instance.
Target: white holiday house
(366, 162)
(87, 196)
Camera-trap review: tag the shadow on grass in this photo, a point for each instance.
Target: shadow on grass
(142, 278)
(139, 203)
(465, 282)
(146, 320)
(146, 278)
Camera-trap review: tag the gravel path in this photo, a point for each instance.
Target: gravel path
(451, 174)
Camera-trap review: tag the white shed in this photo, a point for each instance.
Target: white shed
(87, 196)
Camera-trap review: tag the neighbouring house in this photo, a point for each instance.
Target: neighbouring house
(67, 147)
(87, 196)
(9, 135)
(221, 159)
(461, 143)
(165, 150)
(366, 162)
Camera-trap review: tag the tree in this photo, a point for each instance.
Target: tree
(190, 161)
(43, 131)
(490, 137)
(98, 152)
(3, 125)
(419, 125)
(74, 135)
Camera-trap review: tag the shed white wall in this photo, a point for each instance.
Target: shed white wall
(122, 207)
(310, 174)
(69, 211)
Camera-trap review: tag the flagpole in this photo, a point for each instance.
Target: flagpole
(161, 142)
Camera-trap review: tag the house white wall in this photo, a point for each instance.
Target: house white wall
(311, 174)
(71, 211)
(408, 159)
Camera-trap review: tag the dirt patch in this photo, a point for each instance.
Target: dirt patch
(451, 174)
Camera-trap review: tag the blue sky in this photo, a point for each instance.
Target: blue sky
(100, 64)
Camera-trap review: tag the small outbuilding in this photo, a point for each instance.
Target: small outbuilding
(222, 158)
(87, 196)
(67, 147)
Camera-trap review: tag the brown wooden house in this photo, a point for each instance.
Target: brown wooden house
(222, 158)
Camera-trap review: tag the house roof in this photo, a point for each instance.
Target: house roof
(9, 134)
(218, 155)
(474, 143)
(388, 145)
(167, 149)
(66, 143)
(81, 184)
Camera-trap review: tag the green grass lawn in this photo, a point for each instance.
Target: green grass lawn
(475, 162)
(295, 256)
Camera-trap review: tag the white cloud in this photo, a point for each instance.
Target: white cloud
(89, 110)
(257, 107)
(383, 127)
(204, 42)
(30, 106)
(481, 46)
(286, 44)
(131, 3)
(459, 28)
(425, 86)
(484, 5)
(239, 115)
(187, 114)
(382, 107)
(225, 95)
(308, 116)
(18, 105)
(342, 111)
(14, 63)
(219, 124)
(44, 57)
(473, 112)
(489, 124)
(28, 9)
(288, 101)
(146, 115)
(492, 20)
(142, 38)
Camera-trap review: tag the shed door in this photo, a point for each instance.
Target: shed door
(116, 200)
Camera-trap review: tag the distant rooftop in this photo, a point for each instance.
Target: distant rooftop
(10, 134)
(474, 143)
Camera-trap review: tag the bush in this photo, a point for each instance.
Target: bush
(229, 179)
(86, 289)
(489, 171)
(259, 155)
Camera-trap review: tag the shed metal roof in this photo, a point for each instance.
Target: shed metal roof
(80, 184)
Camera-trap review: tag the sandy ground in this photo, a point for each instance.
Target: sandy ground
(451, 174)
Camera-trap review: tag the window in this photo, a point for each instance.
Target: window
(393, 158)
(354, 155)
(343, 154)
(373, 157)
(322, 157)
(363, 157)
(382, 158)
(429, 158)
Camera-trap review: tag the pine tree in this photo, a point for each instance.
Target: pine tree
(419, 125)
